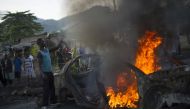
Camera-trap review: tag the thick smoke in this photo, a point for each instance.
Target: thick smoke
(107, 31)
(113, 29)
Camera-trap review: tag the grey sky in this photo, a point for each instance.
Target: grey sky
(46, 9)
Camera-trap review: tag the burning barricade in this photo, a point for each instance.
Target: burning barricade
(144, 85)
(151, 87)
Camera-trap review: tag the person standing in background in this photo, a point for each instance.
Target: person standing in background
(18, 66)
(7, 67)
(2, 76)
(28, 66)
(63, 56)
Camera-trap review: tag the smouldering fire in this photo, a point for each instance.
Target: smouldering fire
(126, 94)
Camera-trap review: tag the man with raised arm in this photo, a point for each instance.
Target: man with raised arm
(46, 69)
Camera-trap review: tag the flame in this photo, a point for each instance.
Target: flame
(146, 59)
(126, 94)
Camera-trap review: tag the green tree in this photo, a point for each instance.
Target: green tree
(19, 25)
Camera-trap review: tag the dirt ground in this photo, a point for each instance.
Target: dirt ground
(19, 96)
(32, 105)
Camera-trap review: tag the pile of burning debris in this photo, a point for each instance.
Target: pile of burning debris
(146, 61)
(151, 87)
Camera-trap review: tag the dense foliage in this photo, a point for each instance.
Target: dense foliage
(18, 25)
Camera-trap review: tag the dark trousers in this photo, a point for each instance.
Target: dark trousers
(48, 89)
(17, 74)
(2, 79)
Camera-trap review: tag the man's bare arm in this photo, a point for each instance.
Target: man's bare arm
(58, 46)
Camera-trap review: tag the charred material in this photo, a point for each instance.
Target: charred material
(166, 88)
(79, 80)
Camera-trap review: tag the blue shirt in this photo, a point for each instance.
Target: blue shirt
(17, 64)
(46, 61)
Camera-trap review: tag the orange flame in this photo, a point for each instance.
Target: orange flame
(127, 93)
(125, 96)
(146, 59)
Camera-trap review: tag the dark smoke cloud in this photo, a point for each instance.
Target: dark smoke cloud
(108, 32)
(114, 34)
